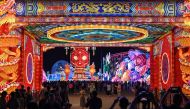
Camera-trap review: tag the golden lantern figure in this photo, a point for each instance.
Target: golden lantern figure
(92, 69)
(67, 71)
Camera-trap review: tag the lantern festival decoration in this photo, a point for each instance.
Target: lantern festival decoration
(92, 69)
(9, 48)
(79, 59)
(67, 71)
(184, 59)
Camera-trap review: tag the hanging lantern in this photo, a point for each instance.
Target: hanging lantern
(92, 69)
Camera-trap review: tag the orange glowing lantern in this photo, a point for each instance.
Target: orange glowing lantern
(67, 70)
(92, 69)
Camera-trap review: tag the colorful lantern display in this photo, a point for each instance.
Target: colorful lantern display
(79, 59)
(184, 60)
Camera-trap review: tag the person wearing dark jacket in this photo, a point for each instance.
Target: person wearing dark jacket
(123, 103)
(3, 100)
(94, 102)
(13, 102)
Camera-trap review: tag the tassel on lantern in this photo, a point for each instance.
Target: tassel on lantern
(66, 48)
(93, 50)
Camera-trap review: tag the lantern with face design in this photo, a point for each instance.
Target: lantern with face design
(79, 57)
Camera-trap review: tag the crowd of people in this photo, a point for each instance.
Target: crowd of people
(55, 95)
(102, 86)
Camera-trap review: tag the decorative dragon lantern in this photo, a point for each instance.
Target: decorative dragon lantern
(184, 49)
(184, 59)
(9, 47)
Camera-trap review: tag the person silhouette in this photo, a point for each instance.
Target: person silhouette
(3, 100)
(123, 103)
(13, 102)
(94, 102)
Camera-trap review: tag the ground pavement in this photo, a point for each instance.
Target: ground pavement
(106, 100)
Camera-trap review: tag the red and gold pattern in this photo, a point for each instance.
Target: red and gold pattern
(6, 6)
(9, 62)
(79, 57)
(9, 49)
(184, 59)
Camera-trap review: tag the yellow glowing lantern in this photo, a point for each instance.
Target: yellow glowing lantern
(92, 69)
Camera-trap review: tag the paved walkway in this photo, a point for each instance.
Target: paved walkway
(107, 100)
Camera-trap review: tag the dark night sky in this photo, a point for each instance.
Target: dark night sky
(53, 55)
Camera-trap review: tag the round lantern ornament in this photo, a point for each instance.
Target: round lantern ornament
(79, 57)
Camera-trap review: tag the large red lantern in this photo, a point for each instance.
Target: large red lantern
(79, 57)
